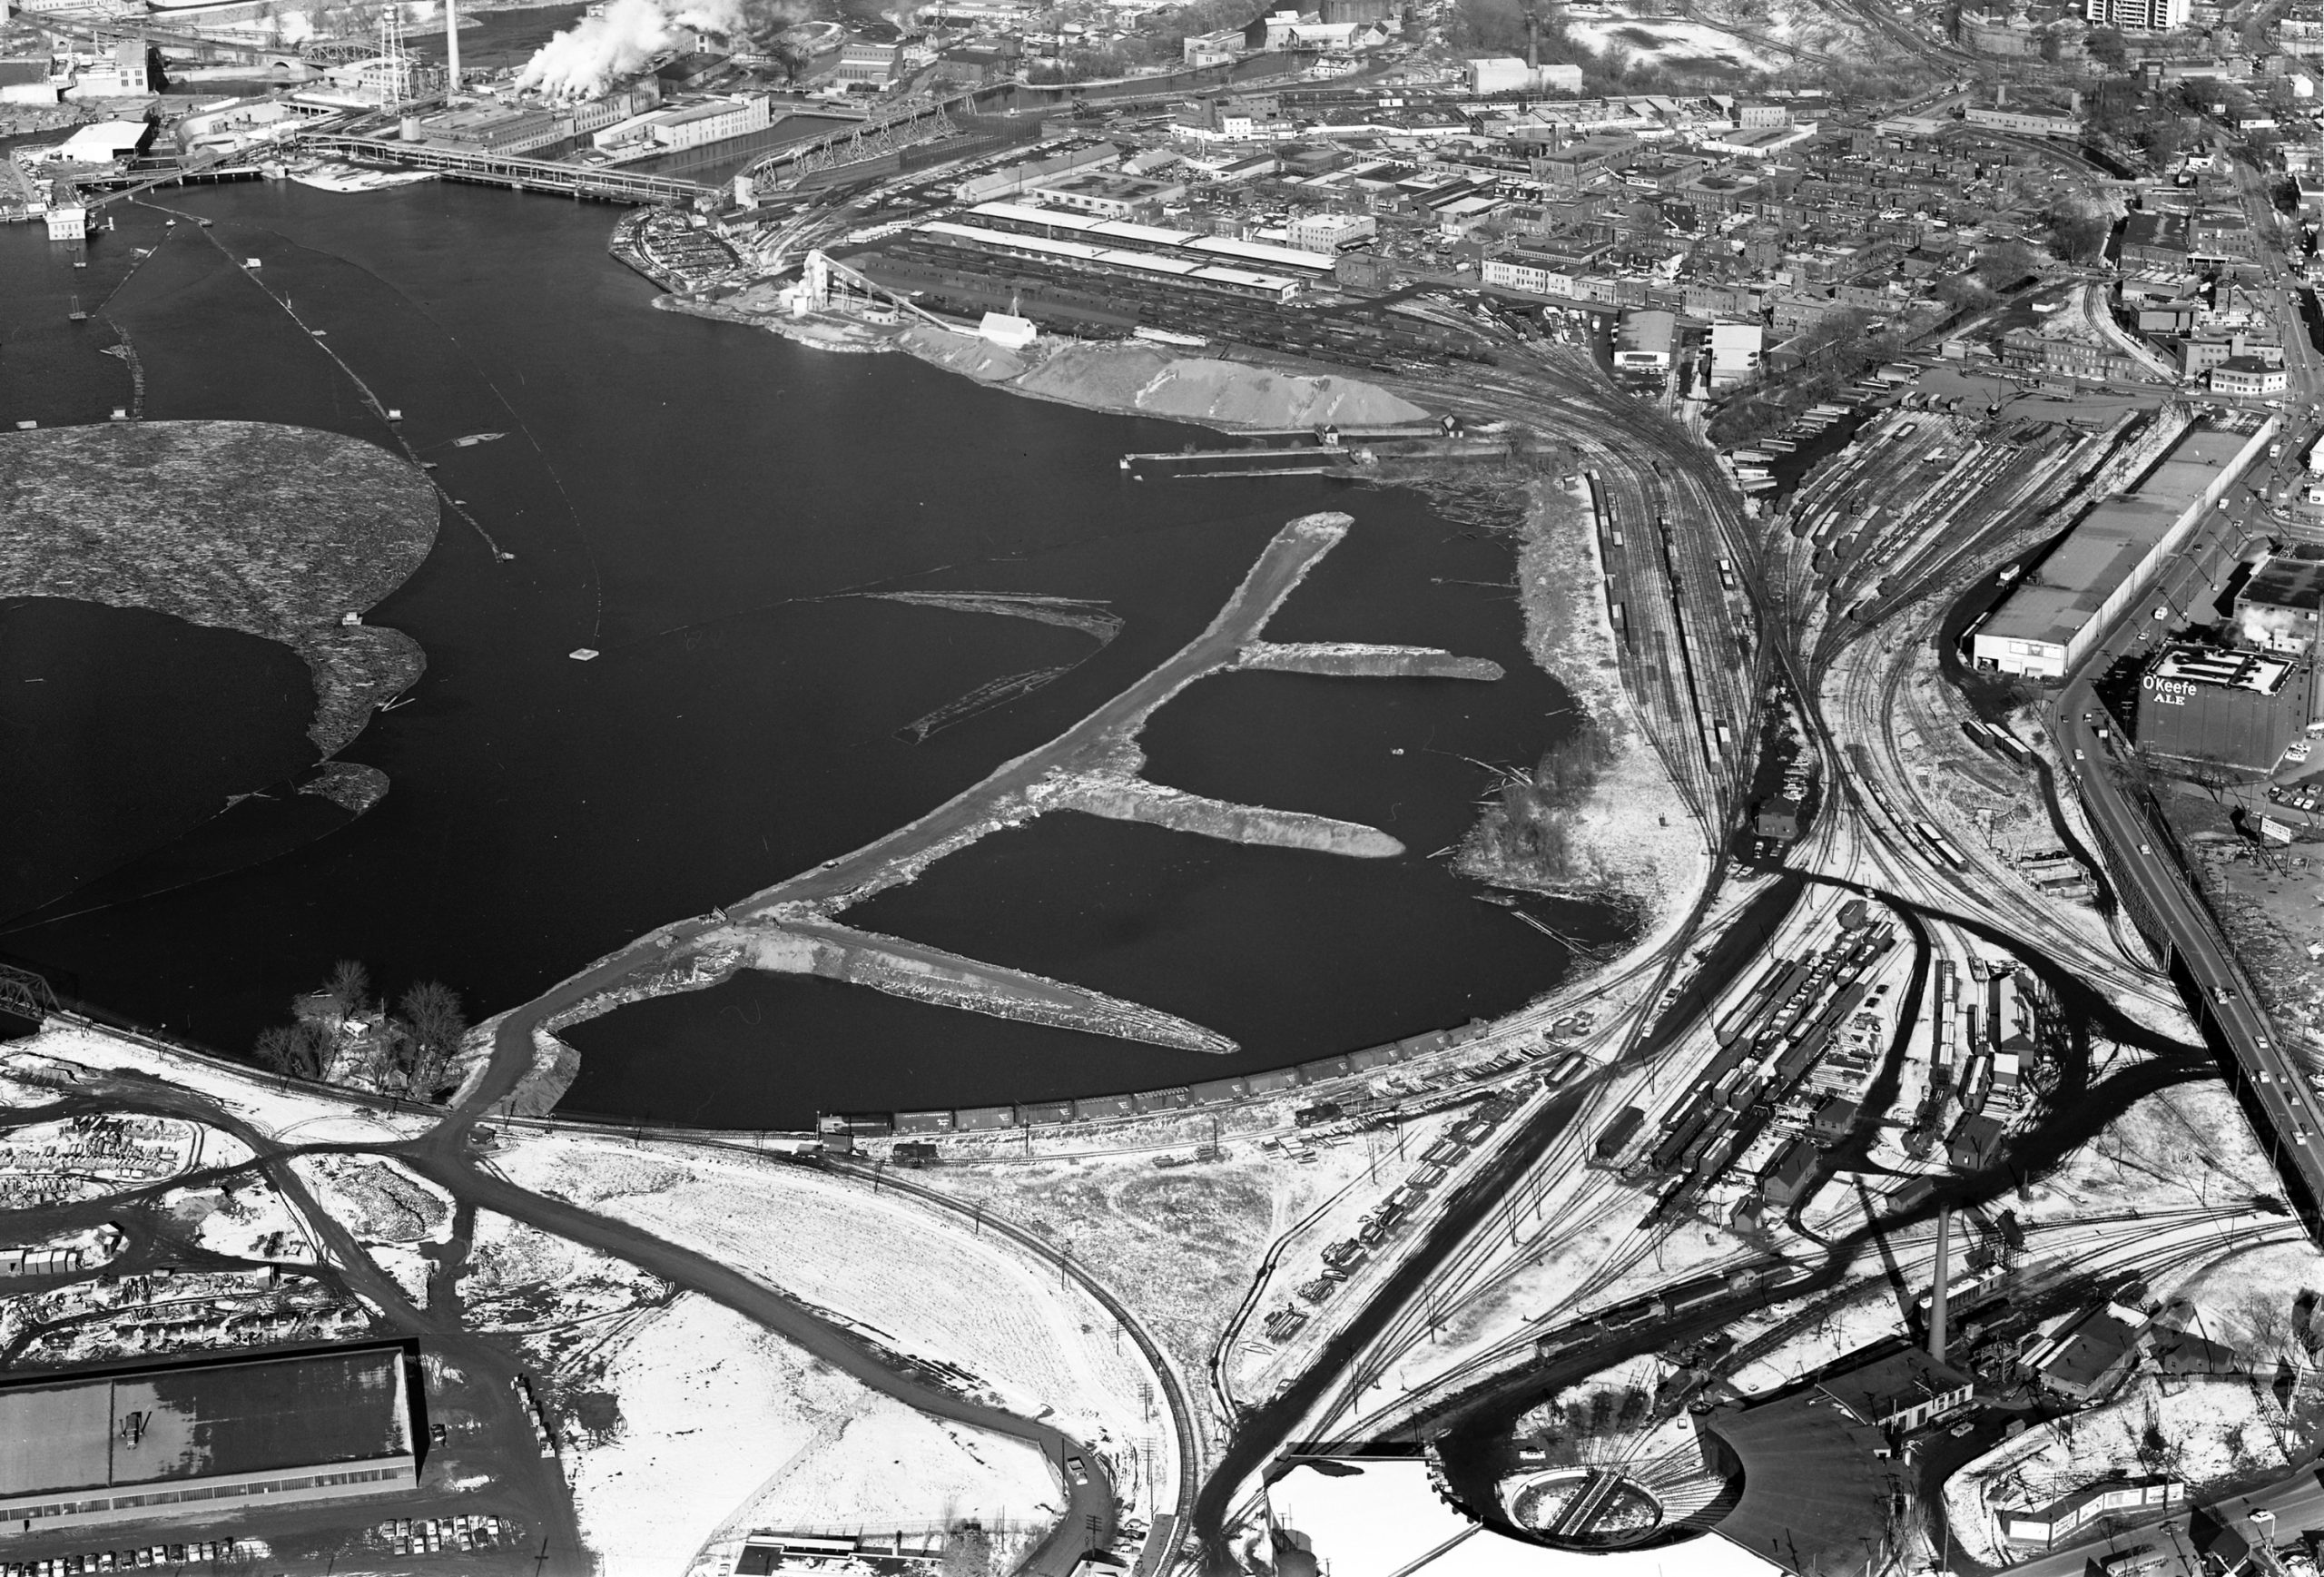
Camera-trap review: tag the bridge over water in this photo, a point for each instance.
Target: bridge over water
(602, 184)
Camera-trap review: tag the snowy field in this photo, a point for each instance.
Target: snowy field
(1664, 41)
(1028, 1339)
(725, 1428)
(282, 1109)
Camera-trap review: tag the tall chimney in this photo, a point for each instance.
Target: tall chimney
(1936, 1295)
(1532, 40)
(451, 48)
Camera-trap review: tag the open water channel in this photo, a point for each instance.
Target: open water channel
(703, 504)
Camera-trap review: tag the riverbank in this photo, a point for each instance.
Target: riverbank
(1129, 377)
(279, 532)
(1628, 833)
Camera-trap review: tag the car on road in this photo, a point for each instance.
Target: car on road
(1076, 1470)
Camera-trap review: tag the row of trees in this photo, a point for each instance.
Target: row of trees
(407, 1048)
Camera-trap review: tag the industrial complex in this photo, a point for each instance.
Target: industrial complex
(1897, 430)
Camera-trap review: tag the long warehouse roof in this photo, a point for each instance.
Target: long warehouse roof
(1151, 235)
(1083, 252)
(203, 1421)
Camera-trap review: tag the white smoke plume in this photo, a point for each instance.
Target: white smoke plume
(584, 60)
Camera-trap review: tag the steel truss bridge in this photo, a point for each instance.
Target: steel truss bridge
(887, 130)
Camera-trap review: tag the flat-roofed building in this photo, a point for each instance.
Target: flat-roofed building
(193, 1441)
(1645, 339)
(2248, 378)
(2237, 708)
(1111, 194)
(1536, 274)
(2278, 608)
(2053, 618)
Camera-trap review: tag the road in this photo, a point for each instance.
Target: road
(2186, 1539)
(2145, 870)
(1090, 1518)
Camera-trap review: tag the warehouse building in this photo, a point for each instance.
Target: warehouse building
(175, 1442)
(2238, 708)
(2053, 618)
(1645, 339)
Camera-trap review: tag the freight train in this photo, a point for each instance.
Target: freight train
(1172, 1097)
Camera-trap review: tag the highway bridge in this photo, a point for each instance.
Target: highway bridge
(2142, 859)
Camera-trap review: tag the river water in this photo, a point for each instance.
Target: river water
(701, 503)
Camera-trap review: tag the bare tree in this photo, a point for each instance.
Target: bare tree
(433, 1024)
(293, 1050)
(349, 986)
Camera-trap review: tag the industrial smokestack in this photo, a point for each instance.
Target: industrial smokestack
(1936, 1296)
(451, 46)
(1532, 40)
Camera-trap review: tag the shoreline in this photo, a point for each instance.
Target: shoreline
(1570, 638)
(216, 523)
(1647, 869)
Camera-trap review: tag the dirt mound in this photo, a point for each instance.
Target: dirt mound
(1142, 378)
(965, 354)
(1105, 378)
(1229, 394)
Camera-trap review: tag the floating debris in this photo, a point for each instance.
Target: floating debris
(584, 654)
(475, 439)
(983, 698)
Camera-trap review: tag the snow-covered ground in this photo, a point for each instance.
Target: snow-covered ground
(562, 1304)
(725, 1428)
(249, 1221)
(279, 1108)
(894, 1268)
(406, 1267)
(1178, 1245)
(1385, 1518)
(2198, 1431)
(1666, 42)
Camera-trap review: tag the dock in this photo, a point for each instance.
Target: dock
(1352, 454)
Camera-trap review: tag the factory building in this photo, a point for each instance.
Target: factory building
(2052, 619)
(1112, 196)
(2277, 610)
(862, 65)
(191, 1441)
(2239, 708)
(1326, 233)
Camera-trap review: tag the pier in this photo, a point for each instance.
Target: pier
(578, 180)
